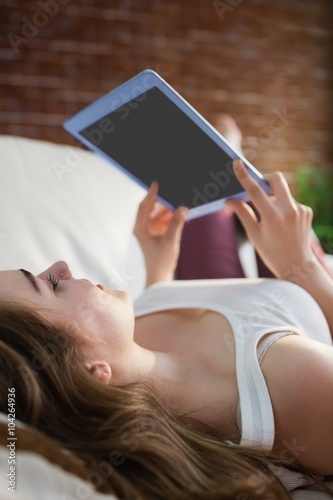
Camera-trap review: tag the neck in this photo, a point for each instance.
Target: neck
(158, 369)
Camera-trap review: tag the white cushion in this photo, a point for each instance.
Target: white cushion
(64, 203)
(37, 478)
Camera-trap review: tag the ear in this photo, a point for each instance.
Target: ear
(100, 370)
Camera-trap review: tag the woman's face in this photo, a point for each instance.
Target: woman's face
(105, 316)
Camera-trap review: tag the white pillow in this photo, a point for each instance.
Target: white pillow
(64, 203)
(36, 478)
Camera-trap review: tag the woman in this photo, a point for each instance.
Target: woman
(129, 441)
(196, 345)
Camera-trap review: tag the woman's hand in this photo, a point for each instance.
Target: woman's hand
(281, 234)
(282, 237)
(158, 231)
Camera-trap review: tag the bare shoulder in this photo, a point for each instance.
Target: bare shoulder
(299, 376)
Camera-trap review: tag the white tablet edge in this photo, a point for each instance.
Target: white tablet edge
(136, 88)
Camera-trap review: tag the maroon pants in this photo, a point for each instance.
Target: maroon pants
(209, 249)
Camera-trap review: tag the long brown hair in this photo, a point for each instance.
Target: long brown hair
(130, 442)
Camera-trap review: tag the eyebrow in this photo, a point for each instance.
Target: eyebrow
(31, 278)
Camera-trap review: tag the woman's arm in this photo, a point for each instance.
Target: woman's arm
(282, 236)
(158, 231)
(299, 376)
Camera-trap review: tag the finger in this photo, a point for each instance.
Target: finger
(257, 195)
(146, 206)
(160, 212)
(246, 215)
(306, 212)
(159, 219)
(280, 189)
(159, 228)
(309, 213)
(176, 225)
(147, 203)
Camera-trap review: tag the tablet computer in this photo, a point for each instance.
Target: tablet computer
(150, 132)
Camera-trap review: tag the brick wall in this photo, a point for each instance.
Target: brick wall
(269, 64)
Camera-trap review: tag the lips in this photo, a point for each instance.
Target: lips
(86, 281)
(101, 287)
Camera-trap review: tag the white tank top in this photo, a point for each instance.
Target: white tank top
(254, 308)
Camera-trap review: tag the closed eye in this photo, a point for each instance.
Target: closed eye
(54, 281)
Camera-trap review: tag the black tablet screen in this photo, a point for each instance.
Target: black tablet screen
(154, 140)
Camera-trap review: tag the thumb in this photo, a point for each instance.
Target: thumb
(245, 214)
(176, 224)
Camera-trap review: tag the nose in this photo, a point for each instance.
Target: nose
(59, 269)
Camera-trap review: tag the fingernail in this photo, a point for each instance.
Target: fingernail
(229, 205)
(183, 212)
(238, 166)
